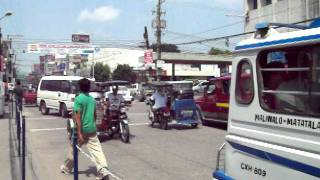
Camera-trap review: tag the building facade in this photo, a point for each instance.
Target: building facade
(280, 11)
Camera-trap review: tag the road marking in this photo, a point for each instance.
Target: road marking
(138, 124)
(42, 118)
(137, 114)
(47, 129)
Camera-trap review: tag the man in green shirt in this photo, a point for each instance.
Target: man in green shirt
(84, 110)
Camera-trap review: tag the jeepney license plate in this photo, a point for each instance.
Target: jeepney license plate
(186, 113)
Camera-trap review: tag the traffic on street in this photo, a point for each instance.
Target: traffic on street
(179, 153)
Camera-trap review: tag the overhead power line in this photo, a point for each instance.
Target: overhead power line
(235, 35)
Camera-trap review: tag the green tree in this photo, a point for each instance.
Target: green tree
(166, 48)
(101, 72)
(217, 51)
(124, 72)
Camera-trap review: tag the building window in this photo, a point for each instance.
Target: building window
(196, 66)
(266, 2)
(244, 83)
(252, 4)
(313, 8)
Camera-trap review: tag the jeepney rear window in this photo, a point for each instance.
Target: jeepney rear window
(290, 80)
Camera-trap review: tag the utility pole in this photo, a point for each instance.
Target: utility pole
(146, 37)
(158, 24)
(0, 42)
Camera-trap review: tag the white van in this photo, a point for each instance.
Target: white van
(58, 93)
(274, 116)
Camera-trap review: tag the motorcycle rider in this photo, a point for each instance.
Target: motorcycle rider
(160, 100)
(113, 99)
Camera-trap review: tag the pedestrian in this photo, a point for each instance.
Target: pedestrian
(84, 110)
(18, 94)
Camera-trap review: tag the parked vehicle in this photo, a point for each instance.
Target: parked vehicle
(199, 87)
(58, 93)
(274, 115)
(112, 119)
(213, 104)
(29, 96)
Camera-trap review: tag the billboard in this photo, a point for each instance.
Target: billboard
(81, 38)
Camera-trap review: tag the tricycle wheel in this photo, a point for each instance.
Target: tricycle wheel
(164, 123)
(152, 124)
(125, 134)
(194, 125)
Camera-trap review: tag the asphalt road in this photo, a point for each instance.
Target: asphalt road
(179, 153)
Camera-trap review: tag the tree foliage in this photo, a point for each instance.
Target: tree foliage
(101, 72)
(166, 48)
(124, 72)
(217, 51)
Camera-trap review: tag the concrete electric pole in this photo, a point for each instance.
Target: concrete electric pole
(158, 24)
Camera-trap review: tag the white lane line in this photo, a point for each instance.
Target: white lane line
(137, 114)
(42, 118)
(47, 129)
(138, 124)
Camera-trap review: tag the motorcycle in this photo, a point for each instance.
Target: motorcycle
(118, 122)
(161, 115)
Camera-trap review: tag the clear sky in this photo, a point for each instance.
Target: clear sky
(56, 20)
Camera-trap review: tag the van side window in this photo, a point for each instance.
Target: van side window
(54, 85)
(65, 86)
(43, 85)
(290, 81)
(244, 83)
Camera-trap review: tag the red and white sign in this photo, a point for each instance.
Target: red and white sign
(2, 63)
(148, 56)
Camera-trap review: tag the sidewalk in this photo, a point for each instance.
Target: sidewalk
(8, 155)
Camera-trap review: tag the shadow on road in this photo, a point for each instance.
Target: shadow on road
(105, 137)
(222, 126)
(90, 171)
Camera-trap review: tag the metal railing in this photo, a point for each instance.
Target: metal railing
(20, 126)
(219, 158)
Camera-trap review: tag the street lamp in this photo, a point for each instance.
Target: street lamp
(8, 13)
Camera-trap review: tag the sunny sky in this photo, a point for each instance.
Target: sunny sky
(54, 20)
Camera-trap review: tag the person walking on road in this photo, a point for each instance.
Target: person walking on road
(85, 114)
(18, 94)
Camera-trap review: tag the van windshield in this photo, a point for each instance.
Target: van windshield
(290, 80)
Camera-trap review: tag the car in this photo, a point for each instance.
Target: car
(213, 104)
(198, 88)
(30, 96)
(133, 88)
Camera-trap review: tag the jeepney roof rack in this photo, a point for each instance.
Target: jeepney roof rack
(264, 27)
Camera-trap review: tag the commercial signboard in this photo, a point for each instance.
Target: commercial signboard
(81, 38)
(148, 56)
(59, 48)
